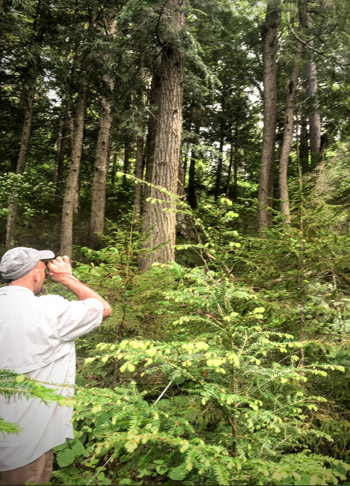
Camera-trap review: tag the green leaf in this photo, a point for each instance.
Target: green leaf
(78, 448)
(161, 469)
(65, 457)
(178, 474)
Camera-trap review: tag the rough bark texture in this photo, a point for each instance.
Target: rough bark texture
(288, 137)
(70, 196)
(98, 202)
(162, 224)
(151, 133)
(270, 103)
(29, 95)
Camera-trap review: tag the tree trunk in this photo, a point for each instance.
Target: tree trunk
(192, 197)
(221, 153)
(311, 89)
(288, 137)
(304, 146)
(29, 95)
(314, 113)
(139, 169)
(63, 134)
(234, 163)
(160, 218)
(126, 164)
(114, 168)
(71, 196)
(98, 201)
(71, 193)
(265, 193)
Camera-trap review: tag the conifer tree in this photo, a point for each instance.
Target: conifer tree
(160, 218)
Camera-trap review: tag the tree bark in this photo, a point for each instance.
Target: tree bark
(160, 218)
(126, 164)
(72, 186)
(98, 201)
(139, 169)
(288, 137)
(265, 193)
(63, 135)
(221, 152)
(314, 113)
(192, 197)
(304, 145)
(311, 89)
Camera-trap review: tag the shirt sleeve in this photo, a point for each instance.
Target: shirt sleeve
(76, 318)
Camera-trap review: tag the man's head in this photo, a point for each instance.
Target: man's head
(18, 262)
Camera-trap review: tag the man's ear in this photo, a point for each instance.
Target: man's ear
(36, 274)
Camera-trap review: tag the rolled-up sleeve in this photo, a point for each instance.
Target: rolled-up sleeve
(79, 318)
(73, 318)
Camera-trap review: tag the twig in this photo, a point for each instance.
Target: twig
(308, 46)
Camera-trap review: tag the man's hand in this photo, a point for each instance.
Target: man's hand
(58, 267)
(60, 270)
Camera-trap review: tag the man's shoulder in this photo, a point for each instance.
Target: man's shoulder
(53, 302)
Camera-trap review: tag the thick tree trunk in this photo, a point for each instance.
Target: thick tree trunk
(72, 186)
(288, 137)
(160, 218)
(265, 193)
(29, 95)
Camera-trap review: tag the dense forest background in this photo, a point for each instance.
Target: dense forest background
(191, 156)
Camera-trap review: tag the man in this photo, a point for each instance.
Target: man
(37, 338)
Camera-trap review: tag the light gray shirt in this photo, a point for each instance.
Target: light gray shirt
(37, 338)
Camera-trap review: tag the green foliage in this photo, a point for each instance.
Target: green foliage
(32, 193)
(226, 397)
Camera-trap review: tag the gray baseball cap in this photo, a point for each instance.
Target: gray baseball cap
(17, 262)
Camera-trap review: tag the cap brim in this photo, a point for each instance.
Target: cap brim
(46, 255)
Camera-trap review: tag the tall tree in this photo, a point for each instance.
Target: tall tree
(97, 213)
(265, 194)
(288, 135)
(311, 86)
(160, 218)
(71, 192)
